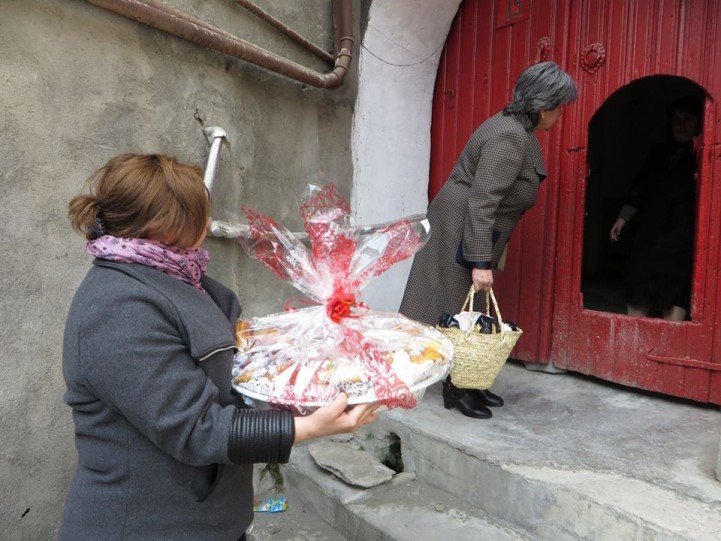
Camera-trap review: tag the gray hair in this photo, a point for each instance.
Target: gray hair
(541, 87)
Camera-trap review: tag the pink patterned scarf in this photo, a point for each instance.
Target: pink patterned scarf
(186, 264)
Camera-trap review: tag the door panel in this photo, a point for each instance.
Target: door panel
(650, 353)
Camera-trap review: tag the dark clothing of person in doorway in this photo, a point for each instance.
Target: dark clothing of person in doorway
(662, 203)
(661, 259)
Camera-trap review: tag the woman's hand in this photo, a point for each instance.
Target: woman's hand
(334, 419)
(482, 279)
(616, 229)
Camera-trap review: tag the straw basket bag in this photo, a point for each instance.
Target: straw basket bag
(478, 358)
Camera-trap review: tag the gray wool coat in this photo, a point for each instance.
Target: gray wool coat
(147, 362)
(494, 181)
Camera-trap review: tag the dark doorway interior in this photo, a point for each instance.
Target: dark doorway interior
(621, 133)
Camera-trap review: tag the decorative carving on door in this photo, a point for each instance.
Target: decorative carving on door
(593, 57)
(543, 49)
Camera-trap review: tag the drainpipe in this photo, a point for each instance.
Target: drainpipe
(285, 29)
(217, 137)
(217, 228)
(161, 17)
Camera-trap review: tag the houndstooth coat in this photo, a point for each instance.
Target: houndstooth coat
(494, 181)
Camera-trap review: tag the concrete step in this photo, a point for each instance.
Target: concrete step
(404, 509)
(567, 458)
(548, 501)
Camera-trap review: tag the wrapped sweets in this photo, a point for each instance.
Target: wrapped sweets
(303, 358)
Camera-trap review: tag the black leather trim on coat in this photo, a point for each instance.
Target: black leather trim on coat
(261, 436)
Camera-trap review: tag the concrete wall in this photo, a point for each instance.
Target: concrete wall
(78, 85)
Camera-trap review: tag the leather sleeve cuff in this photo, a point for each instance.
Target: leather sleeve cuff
(261, 436)
(482, 264)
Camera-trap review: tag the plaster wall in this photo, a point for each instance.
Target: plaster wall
(79, 84)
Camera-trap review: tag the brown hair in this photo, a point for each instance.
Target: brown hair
(149, 196)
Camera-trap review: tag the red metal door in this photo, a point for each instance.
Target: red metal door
(608, 46)
(621, 47)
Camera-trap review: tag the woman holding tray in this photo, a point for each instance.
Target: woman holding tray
(494, 181)
(165, 450)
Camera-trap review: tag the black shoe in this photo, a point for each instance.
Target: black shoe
(486, 397)
(464, 401)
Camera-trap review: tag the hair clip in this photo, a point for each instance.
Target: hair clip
(99, 229)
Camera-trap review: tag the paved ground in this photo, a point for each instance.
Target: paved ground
(570, 429)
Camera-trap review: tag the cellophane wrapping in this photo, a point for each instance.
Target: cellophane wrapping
(302, 358)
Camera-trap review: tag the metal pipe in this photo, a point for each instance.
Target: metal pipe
(287, 30)
(217, 137)
(227, 230)
(162, 17)
(219, 228)
(343, 25)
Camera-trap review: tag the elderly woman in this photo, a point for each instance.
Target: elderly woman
(494, 181)
(165, 450)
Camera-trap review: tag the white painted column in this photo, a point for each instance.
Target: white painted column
(398, 62)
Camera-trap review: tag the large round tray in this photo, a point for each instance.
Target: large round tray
(418, 391)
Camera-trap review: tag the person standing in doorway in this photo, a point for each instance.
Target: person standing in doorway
(494, 182)
(662, 203)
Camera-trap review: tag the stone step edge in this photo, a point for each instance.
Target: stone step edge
(354, 512)
(551, 502)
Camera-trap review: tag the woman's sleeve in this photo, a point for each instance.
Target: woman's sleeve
(643, 181)
(261, 436)
(498, 168)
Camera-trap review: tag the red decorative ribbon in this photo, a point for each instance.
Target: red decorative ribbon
(287, 306)
(339, 307)
(392, 392)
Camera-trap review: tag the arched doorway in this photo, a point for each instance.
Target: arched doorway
(620, 134)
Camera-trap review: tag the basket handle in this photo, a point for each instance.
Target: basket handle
(489, 297)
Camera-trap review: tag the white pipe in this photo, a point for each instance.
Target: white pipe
(217, 137)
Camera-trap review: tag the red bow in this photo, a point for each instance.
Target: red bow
(338, 308)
